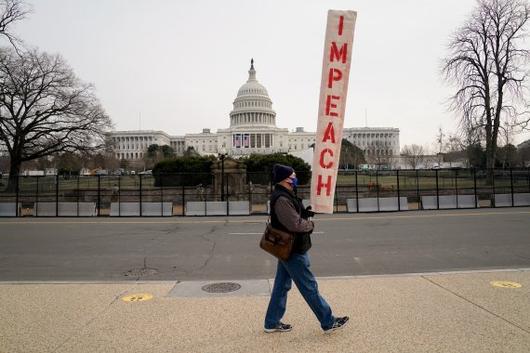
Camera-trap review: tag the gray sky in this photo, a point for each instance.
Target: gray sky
(179, 64)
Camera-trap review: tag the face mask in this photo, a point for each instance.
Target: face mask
(294, 182)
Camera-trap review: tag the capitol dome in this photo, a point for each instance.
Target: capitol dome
(252, 106)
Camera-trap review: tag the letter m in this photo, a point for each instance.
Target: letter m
(335, 53)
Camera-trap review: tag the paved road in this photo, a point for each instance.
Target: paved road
(226, 248)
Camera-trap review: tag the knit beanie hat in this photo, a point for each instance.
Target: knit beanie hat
(281, 172)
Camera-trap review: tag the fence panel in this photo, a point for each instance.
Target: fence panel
(428, 188)
(27, 190)
(346, 192)
(260, 185)
(235, 193)
(45, 196)
(9, 205)
(502, 188)
(484, 188)
(409, 188)
(521, 180)
(465, 188)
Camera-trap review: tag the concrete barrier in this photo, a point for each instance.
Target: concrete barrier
(125, 209)
(521, 199)
(216, 208)
(368, 204)
(503, 200)
(195, 208)
(391, 204)
(8, 209)
(157, 209)
(428, 202)
(351, 205)
(444, 201)
(64, 209)
(448, 202)
(129, 209)
(45, 209)
(238, 208)
(467, 201)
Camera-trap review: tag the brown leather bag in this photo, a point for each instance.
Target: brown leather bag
(277, 242)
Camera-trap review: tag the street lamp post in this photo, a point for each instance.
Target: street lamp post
(222, 156)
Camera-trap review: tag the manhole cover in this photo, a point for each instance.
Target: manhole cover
(224, 287)
(506, 284)
(139, 297)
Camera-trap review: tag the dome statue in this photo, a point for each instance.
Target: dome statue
(252, 106)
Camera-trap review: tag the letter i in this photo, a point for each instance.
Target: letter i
(341, 24)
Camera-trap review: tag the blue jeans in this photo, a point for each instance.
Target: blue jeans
(297, 269)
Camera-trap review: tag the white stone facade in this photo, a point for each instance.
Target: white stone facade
(252, 130)
(132, 145)
(374, 140)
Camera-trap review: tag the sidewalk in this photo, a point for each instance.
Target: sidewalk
(451, 312)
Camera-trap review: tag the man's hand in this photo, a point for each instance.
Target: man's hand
(307, 213)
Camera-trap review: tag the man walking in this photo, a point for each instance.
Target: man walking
(288, 214)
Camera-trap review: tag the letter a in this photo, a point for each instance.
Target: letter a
(329, 134)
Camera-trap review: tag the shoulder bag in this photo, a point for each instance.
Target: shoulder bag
(277, 242)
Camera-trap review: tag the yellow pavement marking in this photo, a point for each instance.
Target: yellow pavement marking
(377, 216)
(506, 284)
(139, 297)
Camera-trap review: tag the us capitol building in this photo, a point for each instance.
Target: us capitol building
(252, 130)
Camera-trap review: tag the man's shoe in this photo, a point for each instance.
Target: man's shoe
(281, 327)
(337, 324)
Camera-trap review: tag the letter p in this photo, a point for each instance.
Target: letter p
(334, 75)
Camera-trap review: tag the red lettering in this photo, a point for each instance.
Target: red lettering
(329, 134)
(330, 163)
(335, 53)
(341, 24)
(327, 185)
(334, 75)
(330, 105)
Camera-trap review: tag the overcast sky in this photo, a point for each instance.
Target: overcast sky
(179, 64)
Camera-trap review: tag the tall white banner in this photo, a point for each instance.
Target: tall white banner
(333, 92)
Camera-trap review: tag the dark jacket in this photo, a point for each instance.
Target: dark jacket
(286, 214)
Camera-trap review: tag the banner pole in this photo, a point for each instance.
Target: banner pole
(332, 105)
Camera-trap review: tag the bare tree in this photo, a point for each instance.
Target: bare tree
(453, 143)
(440, 139)
(414, 155)
(487, 63)
(45, 109)
(11, 11)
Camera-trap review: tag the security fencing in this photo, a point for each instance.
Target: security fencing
(205, 194)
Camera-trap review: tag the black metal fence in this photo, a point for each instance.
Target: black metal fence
(247, 193)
